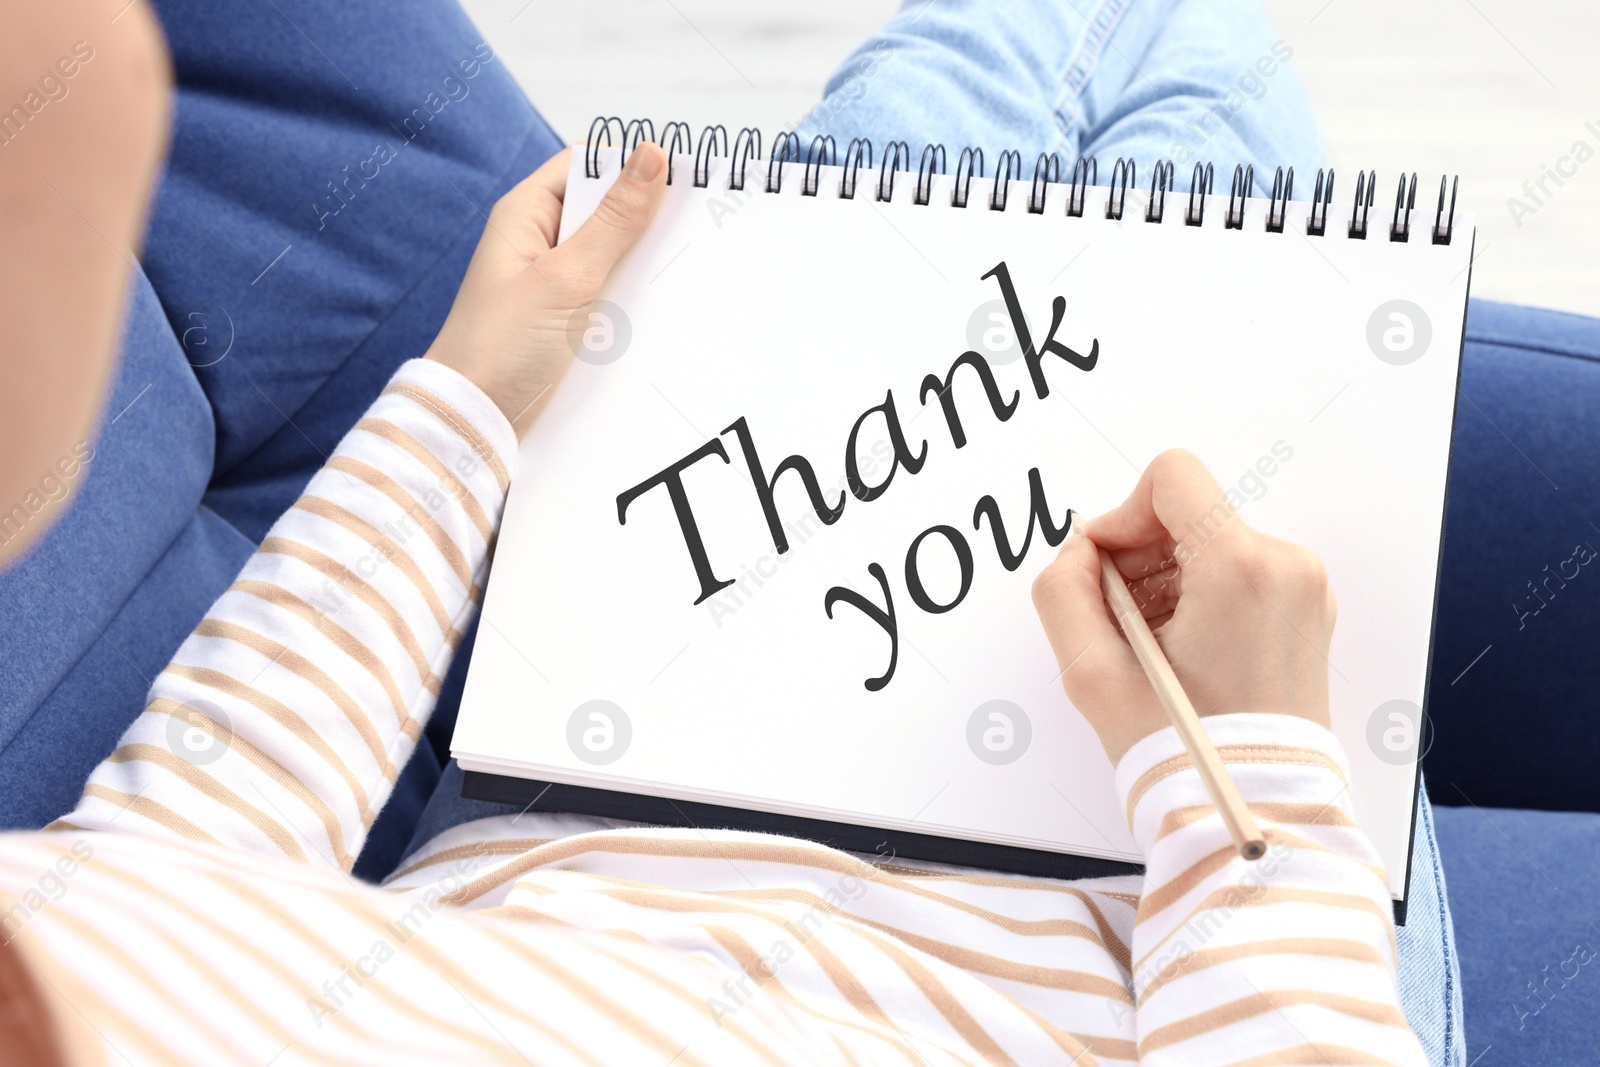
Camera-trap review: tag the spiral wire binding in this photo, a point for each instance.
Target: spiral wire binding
(1243, 181)
(1278, 206)
(1317, 224)
(896, 154)
(1123, 174)
(1007, 169)
(1048, 168)
(705, 151)
(677, 139)
(1200, 181)
(634, 132)
(1156, 210)
(790, 151)
(971, 161)
(822, 153)
(746, 146)
(674, 134)
(932, 163)
(1079, 192)
(857, 155)
(591, 153)
(1366, 182)
(1442, 234)
(1400, 229)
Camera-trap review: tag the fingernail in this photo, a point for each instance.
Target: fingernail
(643, 166)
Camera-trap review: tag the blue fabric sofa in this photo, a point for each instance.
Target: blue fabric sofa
(328, 179)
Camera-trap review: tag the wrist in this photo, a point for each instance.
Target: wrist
(518, 398)
(469, 402)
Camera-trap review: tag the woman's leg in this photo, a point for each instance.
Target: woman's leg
(1185, 80)
(1430, 969)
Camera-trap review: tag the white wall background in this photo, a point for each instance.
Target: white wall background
(1493, 90)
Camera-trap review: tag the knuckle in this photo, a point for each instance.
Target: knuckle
(1254, 562)
(1048, 587)
(617, 207)
(1305, 571)
(1293, 570)
(507, 210)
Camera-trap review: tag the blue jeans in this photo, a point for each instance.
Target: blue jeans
(1184, 80)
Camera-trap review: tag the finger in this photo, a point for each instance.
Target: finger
(1073, 610)
(531, 209)
(586, 258)
(1145, 560)
(551, 175)
(1176, 497)
(1156, 593)
(549, 180)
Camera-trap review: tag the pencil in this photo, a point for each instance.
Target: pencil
(1202, 753)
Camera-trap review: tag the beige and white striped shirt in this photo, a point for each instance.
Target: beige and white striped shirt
(196, 906)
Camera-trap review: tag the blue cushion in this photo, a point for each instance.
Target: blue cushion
(270, 311)
(1521, 887)
(1512, 668)
(329, 171)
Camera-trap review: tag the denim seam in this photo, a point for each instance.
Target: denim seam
(1083, 63)
(1444, 940)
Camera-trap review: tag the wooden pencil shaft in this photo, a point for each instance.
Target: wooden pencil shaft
(1180, 712)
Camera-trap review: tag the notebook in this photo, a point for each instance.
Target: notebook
(766, 561)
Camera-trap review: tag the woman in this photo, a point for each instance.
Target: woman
(196, 907)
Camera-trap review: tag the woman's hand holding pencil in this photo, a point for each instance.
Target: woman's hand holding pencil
(1244, 619)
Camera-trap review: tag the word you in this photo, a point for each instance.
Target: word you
(53, 89)
(935, 538)
(1567, 570)
(454, 90)
(1565, 167)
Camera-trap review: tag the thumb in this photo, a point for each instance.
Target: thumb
(587, 257)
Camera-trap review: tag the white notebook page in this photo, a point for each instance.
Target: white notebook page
(1258, 351)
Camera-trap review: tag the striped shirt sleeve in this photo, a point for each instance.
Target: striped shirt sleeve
(1290, 959)
(283, 720)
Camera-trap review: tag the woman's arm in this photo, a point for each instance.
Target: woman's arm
(1290, 959)
(283, 720)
